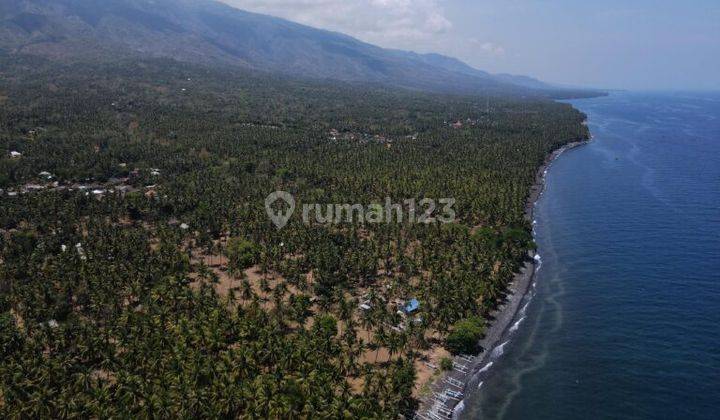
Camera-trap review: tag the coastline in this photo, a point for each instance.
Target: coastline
(468, 371)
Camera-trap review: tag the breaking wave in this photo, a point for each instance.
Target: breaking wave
(499, 350)
(516, 325)
(485, 368)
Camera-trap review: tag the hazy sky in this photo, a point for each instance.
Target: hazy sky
(635, 44)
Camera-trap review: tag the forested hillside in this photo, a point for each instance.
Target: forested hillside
(210, 32)
(141, 277)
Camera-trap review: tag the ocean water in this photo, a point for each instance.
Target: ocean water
(624, 318)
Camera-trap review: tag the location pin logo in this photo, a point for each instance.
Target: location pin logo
(278, 217)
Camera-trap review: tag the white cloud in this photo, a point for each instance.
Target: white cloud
(492, 48)
(409, 24)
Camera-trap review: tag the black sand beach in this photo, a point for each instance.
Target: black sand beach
(438, 404)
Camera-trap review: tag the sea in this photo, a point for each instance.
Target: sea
(623, 320)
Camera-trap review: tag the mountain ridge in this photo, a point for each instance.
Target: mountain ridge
(211, 32)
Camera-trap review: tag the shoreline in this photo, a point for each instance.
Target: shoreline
(466, 374)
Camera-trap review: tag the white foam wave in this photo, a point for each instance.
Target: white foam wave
(517, 324)
(459, 409)
(485, 368)
(537, 258)
(524, 308)
(499, 350)
(480, 385)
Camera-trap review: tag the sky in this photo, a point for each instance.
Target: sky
(612, 44)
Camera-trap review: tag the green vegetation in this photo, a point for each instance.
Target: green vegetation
(464, 335)
(242, 254)
(446, 363)
(116, 299)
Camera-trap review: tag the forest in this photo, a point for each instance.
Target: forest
(140, 275)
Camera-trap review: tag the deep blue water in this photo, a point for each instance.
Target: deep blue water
(625, 318)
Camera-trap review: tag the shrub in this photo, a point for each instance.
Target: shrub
(241, 254)
(464, 335)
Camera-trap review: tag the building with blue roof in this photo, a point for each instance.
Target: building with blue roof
(412, 306)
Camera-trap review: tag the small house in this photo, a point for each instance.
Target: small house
(15, 154)
(411, 306)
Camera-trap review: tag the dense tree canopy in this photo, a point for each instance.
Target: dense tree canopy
(465, 334)
(141, 276)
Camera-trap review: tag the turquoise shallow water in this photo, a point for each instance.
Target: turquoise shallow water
(624, 320)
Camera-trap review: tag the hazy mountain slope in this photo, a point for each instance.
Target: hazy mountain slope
(210, 32)
(525, 81)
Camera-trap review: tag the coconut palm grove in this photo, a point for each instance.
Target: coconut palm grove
(141, 277)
